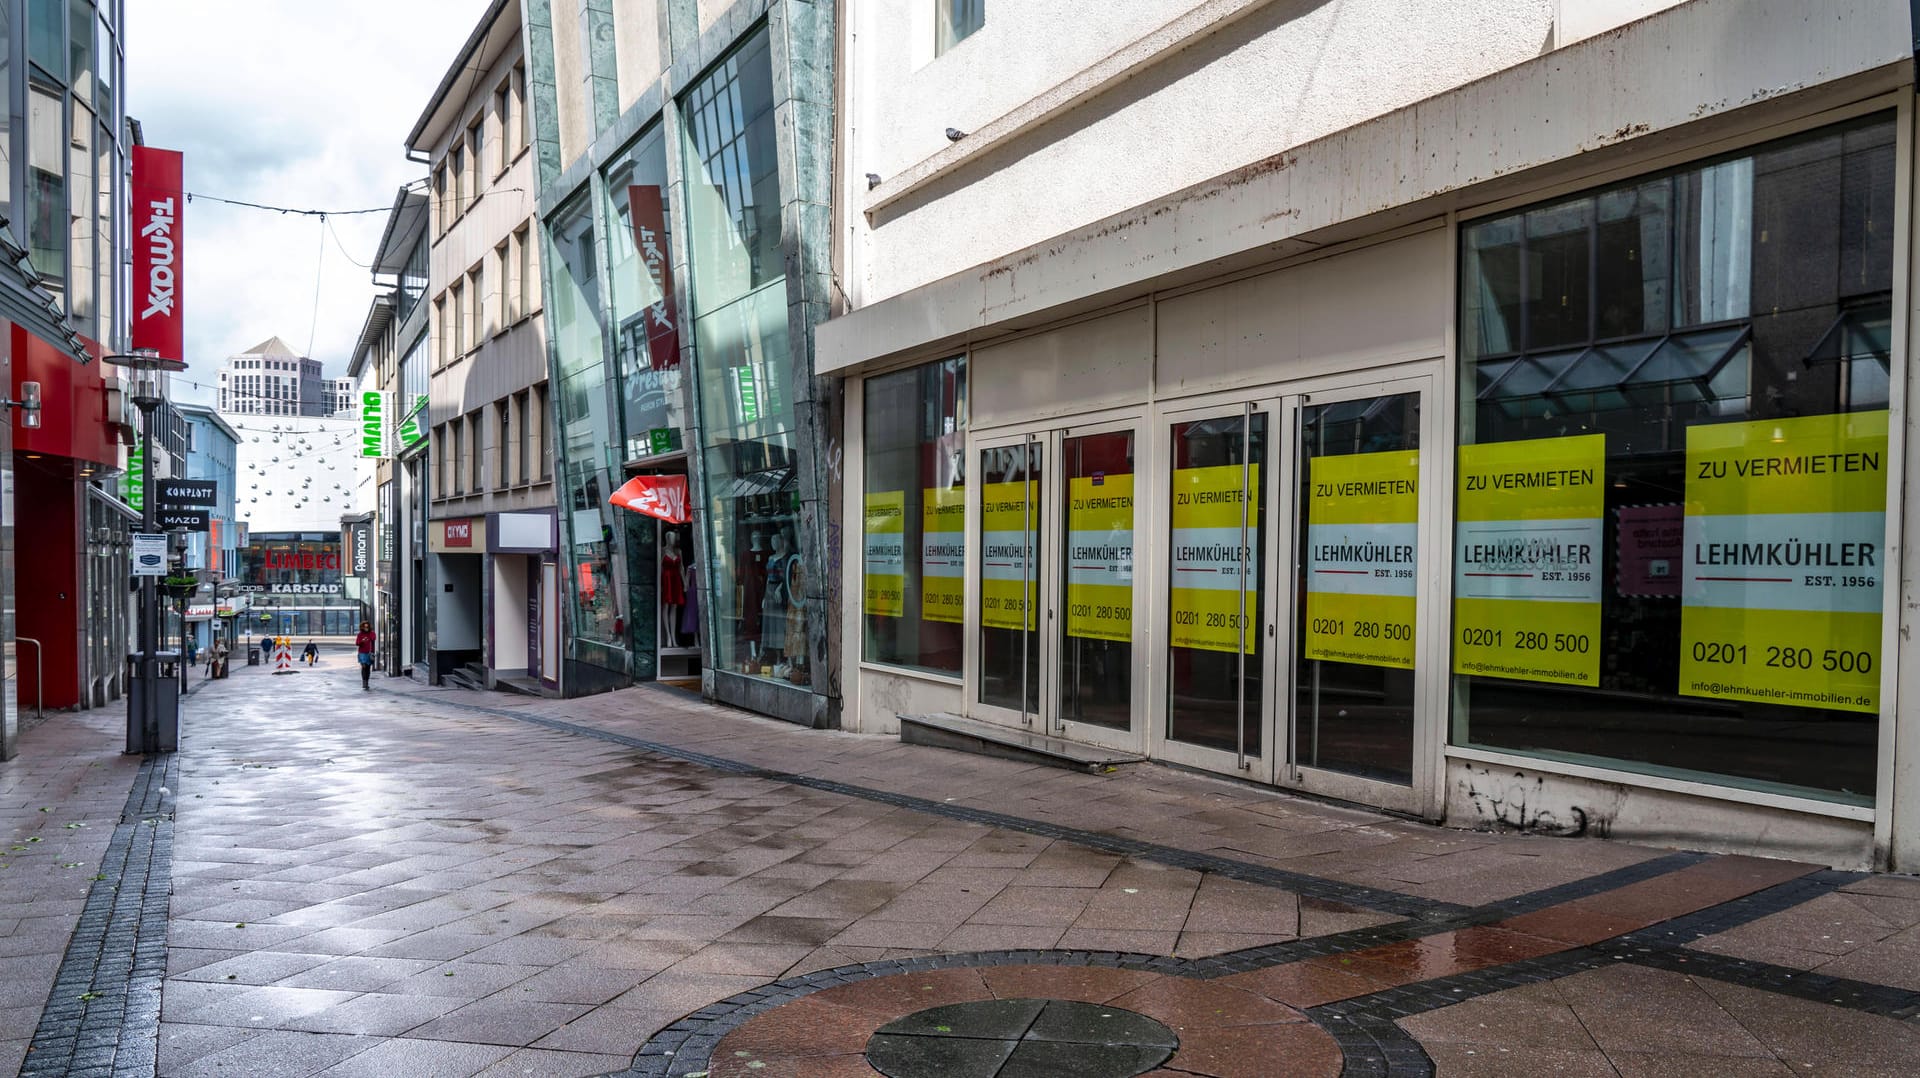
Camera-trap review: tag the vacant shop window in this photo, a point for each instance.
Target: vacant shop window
(954, 20)
(914, 534)
(1672, 483)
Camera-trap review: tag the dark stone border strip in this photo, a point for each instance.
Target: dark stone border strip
(1371, 1020)
(1352, 894)
(102, 1018)
(1274, 954)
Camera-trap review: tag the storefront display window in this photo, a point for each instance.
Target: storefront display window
(759, 613)
(914, 534)
(597, 624)
(1671, 490)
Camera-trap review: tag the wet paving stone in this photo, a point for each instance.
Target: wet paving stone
(1021, 1038)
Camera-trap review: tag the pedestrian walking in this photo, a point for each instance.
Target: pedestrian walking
(312, 653)
(363, 645)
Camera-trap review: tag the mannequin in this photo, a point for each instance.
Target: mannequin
(773, 621)
(796, 620)
(673, 589)
(750, 588)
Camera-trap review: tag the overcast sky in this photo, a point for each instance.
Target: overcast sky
(290, 103)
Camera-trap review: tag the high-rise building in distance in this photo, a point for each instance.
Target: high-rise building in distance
(271, 379)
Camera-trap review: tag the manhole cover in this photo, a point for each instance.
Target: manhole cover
(1021, 1038)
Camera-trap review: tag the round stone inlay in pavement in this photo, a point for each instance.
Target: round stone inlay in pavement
(1020, 1038)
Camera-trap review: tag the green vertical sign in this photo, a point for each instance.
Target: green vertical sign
(133, 486)
(745, 393)
(373, 423)
(411, 431)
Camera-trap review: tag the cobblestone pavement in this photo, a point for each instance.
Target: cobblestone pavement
(418, 881)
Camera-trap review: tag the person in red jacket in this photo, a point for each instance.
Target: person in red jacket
(363, 644)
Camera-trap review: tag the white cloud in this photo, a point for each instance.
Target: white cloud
(294, 104)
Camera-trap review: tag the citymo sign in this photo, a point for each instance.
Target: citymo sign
(158, 199)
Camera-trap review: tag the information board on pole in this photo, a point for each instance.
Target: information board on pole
(943, 553)
(1363, 531)
(1210, 562)
(1009, 582)
(885, 538)
(1100, 557)
(1784, 565)
(1527, 578)
(149, 554)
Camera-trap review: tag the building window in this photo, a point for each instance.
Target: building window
(528, 278)
(477, 304)
(955, 21)
(442, 212)
(442, 471)
(640, 290)
(457, 313)
(543, 416)
(503, 447)
(442, 332)
(1673, 473)
(522, 402)
(457, 164)
(507, 106)
(476, 453)
(520, 136)
(476, 141)
(913, 536)
(502, 294)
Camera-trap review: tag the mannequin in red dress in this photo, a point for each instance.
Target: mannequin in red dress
(673, 590)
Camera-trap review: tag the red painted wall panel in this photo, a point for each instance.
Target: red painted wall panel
(74, 413)
(48, 585)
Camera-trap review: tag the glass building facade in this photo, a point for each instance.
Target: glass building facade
(673, 295)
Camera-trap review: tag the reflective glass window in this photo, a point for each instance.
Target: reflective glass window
(763, 580)
(646, 323)
(913, 535)
(1671, 488)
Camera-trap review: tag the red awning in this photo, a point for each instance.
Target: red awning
(663, 496)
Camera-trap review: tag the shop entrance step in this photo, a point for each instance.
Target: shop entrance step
(525, 686)
(991, 739)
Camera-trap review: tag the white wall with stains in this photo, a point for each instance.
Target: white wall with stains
(1189, 91)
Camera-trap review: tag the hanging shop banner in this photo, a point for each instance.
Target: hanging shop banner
(646, 204)
(1784, 561)
(1526, 576)
(886, 544)
(1363, 530)
(662, 496)
(943, 553)
(373, 423)
(1209, 560)
(1100, 557)
(159, 320)
(1009, 573)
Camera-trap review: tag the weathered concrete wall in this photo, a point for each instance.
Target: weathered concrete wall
(1233, 82)
(1505, 798)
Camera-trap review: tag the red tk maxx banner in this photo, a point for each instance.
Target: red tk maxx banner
(663, 496)
(158, 201)
(648, 210)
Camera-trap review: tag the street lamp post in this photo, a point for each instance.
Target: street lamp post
(146, 363)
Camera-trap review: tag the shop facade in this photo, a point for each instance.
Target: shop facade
(1569, 501)
(686, 262)
(293, 583)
